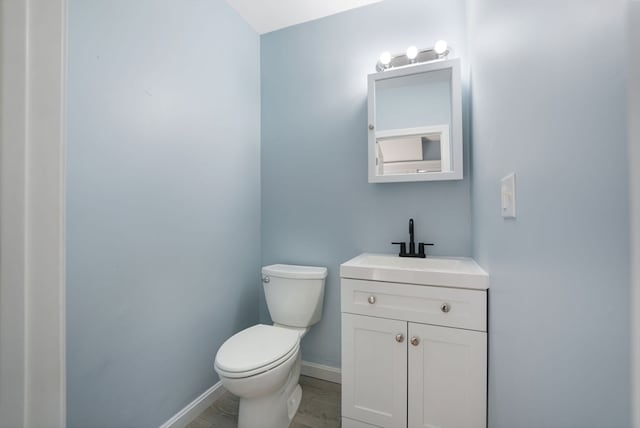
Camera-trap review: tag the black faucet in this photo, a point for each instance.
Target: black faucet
(412, 245)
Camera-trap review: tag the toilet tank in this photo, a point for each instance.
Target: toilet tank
(294, 294)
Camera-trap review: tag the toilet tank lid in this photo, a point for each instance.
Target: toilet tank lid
(295, 272)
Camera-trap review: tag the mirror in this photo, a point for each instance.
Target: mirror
(415, 123)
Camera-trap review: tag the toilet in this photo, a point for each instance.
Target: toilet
(261, 364)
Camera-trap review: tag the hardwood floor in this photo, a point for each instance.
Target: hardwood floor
(320, 408)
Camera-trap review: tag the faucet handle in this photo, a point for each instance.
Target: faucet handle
(421, 252)
(403, 248)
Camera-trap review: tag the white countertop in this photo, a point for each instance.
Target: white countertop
(457, 272)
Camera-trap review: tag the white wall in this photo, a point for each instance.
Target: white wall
(634, 172)
(32, 359)
(13, 258)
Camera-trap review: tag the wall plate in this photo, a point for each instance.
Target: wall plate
(508, 196)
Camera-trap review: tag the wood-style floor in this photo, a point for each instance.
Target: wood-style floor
(320, 408)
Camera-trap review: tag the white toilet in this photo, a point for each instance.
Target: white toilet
(261, 364)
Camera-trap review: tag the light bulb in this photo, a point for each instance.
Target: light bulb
(440, 47)
(385, 58)
(412, 52)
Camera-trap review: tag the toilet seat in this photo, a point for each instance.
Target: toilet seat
(256, 350)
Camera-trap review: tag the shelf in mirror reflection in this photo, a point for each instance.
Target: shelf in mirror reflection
(413, 150)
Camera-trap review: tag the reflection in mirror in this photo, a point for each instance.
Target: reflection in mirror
(413, 151)
(422, 99)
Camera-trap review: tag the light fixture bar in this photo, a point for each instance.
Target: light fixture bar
(413, 56)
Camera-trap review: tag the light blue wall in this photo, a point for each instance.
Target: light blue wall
(548, 82)
(317, 207)
(163, 203)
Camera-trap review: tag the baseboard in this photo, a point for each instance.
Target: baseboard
(320, 371)
(191, 411)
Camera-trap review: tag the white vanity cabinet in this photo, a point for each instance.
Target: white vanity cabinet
(413, 355)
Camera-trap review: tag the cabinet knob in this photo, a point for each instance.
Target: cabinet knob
(415, 341)
(371, 300)
(399, 337)
(371, 126)
(445, 307)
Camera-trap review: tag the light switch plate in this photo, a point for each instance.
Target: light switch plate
(508, 192)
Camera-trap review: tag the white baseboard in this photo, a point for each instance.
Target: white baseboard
(320, 371)
(191, 411)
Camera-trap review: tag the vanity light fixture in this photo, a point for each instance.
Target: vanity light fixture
(413, 55)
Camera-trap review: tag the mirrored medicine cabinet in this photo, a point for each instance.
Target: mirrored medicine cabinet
(415, 123)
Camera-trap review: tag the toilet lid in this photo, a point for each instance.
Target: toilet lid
(256, 347)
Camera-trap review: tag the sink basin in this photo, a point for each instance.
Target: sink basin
(459, 272)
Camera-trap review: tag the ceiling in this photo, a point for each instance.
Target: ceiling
(269, 15)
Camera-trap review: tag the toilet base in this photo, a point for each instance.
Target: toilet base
(293, 403)
(275, 410)
(269, 412)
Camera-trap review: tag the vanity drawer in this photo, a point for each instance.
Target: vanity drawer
(449, 307)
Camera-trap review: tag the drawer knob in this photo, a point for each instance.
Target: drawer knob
(399, 337)
(415, 341)
(371, 300)
(445, 307)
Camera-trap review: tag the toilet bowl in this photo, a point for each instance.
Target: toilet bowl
(261, 364)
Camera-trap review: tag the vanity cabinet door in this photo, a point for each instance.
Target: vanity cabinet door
(374, 370)
(447, 377)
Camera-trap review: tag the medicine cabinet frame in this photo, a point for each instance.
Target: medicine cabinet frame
(450, 136)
